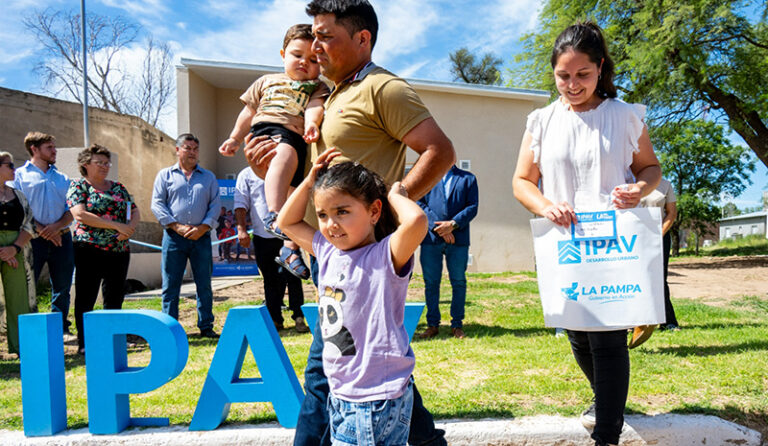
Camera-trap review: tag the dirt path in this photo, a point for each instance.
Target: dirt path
(717, 280)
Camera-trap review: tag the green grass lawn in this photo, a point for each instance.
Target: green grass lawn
(508, 366)
(746, 246)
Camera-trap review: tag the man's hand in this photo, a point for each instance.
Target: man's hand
(51, 232)
(196, 232)
(443, 228)
(55, 239)
(180, 228)
(259, 151)
(46, 231)
(243, 237)
(449, 238)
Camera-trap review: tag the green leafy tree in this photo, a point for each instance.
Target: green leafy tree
(702, 164)
(466, 68)
(730, 210)
(681, 58)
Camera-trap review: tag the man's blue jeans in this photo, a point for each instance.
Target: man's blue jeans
(176, 251)
(61, 265)
(313, 428)
(432, 267)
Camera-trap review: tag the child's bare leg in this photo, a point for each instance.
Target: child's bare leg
(279, 175)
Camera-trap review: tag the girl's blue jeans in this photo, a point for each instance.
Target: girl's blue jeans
(373, 423)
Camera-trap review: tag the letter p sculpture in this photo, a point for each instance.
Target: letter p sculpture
(111, 381)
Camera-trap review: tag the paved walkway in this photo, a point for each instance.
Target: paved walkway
(188, 288)
(660, 430)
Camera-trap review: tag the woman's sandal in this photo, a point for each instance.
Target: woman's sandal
(297, 267)
(271, 227)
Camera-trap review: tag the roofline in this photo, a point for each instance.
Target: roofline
(745, 216)
(428, 85)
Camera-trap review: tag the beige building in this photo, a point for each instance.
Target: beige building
(485, 123)
(139, 152)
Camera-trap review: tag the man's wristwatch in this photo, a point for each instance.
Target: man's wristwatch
(18, 248)
(454, 225)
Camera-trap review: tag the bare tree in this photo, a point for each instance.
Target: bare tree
(113, 84)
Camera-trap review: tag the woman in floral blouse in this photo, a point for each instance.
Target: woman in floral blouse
(106, 217)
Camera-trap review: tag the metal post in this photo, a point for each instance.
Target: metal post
(86, 137)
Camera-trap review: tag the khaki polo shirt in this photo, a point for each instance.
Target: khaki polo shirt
(367, 119)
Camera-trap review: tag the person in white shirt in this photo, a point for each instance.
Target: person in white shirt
(250, 198)
(575, 154)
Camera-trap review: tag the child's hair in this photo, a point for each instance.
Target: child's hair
(587, 38)
(353, 15)
(363, 184)
(301, 31)
(36, 139)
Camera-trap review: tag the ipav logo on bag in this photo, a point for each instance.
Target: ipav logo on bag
(569, 252)
(570, 292)
(595, 251)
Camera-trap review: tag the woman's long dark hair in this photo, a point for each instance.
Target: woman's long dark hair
(587, 38)
(363, 184)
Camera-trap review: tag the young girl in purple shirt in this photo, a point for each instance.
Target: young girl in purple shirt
(364, 250)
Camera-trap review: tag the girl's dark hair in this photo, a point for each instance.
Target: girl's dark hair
(587, 38)
(363, 184)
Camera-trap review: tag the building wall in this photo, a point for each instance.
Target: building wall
(743, 227)
(487, 131)
(140, 150)
(201, 115)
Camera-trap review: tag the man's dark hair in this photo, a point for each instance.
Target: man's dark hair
(301, 31)
(186, 137)
(354, 15)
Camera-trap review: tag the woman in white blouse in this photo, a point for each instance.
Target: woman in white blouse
(577, 154)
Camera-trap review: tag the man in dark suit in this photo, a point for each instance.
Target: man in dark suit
(450, 206)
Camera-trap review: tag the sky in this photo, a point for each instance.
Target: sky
(415, 38)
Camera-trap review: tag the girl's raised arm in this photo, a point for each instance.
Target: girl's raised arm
(411, 228)
(291, 217)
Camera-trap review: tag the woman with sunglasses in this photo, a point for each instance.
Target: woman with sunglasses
(105, 217)
(17, 293)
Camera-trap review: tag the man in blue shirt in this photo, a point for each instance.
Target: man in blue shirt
(185, 200)
(249, 197)
(449, 206)
(46, 190)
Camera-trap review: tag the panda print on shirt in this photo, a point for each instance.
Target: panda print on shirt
(335, 335)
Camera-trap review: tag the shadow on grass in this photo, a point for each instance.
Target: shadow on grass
(711, 350)
(484, 331)
(722, 326)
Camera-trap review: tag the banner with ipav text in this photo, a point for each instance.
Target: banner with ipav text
(603, 273)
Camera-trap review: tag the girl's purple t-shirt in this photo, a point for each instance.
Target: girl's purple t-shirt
(367, 354)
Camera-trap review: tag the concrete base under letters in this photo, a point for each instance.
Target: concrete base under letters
(666, 429)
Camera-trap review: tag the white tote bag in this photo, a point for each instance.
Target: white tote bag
(598, 278)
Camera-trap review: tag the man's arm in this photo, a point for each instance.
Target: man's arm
(214, 204)
(159, 204)
(242, 206)
(436, 156)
